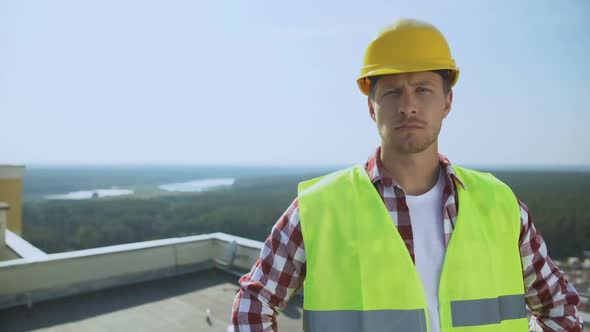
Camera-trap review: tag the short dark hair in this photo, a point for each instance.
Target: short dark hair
(444, 73)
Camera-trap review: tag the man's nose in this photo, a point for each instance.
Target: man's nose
(408, 105)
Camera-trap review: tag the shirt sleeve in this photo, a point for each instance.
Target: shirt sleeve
(549, 295)
(277, 275)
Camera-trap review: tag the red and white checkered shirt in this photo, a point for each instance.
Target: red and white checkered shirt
(280, 270)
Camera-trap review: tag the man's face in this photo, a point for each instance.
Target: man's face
(408, 110)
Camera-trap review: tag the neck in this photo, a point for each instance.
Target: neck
(416, 173)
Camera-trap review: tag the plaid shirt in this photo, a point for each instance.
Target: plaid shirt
(280, 270)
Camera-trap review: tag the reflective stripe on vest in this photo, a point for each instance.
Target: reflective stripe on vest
(487, 311)
(357, 320)
(465, 313)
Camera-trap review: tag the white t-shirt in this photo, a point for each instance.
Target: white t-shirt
(429, 248)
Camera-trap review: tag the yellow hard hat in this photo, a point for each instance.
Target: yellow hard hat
(407, 46)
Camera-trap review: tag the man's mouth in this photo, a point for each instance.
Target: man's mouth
(409, 126)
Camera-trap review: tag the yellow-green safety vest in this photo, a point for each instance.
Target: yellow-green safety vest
(360, 276)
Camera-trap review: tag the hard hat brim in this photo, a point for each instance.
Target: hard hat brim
(364, 82)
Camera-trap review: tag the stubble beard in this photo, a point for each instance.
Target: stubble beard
(411, 143)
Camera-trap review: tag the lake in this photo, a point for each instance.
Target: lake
(88, 194)
(189, 186)
(198, 185)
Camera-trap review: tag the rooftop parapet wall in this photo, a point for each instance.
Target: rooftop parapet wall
(40, 277)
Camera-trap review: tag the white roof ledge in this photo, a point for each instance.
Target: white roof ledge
(39, 276)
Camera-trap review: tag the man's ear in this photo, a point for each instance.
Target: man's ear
(448, 103)
(371, 109)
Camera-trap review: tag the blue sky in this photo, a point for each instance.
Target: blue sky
(258, 82)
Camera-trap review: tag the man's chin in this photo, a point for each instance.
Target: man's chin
(411, 147)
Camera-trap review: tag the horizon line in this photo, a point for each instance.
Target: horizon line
(584, 167)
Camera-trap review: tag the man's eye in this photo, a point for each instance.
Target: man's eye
(423, 89)
(392, 92)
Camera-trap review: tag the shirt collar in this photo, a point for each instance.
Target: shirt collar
(377, 172)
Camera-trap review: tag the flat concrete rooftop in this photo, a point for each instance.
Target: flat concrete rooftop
(160, 285)
(175, 303)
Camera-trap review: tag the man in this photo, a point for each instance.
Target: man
(407, 242)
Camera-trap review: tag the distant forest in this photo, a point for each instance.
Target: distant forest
(559, 201)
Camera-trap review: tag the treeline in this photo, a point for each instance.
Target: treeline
(248, 210)
(560, 206)
(39, 181)
(560, 203)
